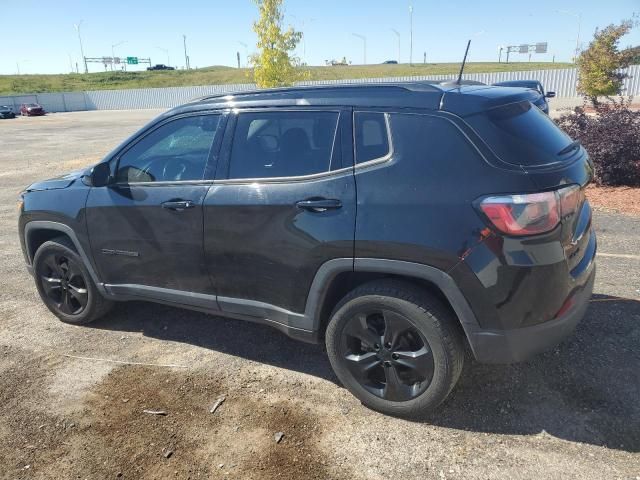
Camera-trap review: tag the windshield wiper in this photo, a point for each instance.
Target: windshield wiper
(572, 146)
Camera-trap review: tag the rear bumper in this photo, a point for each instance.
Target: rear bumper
(510, 346)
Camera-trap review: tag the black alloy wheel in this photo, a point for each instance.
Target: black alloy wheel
(63, 283)
(387, 355)
(396, 347)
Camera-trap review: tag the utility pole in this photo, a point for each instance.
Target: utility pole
(166, 51)
(186, 57)
(410, 34)
(113, 55)
(397, 35)
(246, 53)
(579, 18)
(364, 40)
(77, 27)
(500, 54)
(18, 67)
(238, 56)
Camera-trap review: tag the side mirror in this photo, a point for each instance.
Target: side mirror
(550, 94)
(100, 175)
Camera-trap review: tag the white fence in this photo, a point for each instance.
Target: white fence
(562, 81)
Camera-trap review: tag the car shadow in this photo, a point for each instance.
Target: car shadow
(585, 390)
(252, 341)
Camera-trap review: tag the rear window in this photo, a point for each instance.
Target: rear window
(520, 134)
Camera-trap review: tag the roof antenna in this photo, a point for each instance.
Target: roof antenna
(464, 61)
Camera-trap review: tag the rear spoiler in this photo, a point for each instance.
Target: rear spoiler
(465, 101)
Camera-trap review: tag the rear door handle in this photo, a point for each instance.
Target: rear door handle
(178, 205)
(319, 205)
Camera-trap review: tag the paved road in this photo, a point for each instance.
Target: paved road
(573, 412)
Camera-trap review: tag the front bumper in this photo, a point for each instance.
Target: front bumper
(510, 346)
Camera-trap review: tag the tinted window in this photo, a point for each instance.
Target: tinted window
(521, 134)
(176, 151)
(372, 138)
(282, 144)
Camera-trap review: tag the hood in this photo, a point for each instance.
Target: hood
(56, 183)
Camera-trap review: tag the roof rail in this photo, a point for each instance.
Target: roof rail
(414, 86)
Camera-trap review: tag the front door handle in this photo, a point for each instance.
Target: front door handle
(178, 205)
(319, 204)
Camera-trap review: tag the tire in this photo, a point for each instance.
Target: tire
(400, 380)
(65, 285)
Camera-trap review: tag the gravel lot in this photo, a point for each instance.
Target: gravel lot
(571, 413)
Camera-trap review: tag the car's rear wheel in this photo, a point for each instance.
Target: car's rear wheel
(394, 346)
(64, 283)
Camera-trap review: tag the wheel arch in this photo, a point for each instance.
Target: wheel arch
(38, 232)
(339, 276)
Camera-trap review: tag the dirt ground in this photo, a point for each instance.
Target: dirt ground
(68, 409)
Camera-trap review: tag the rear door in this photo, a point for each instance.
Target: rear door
(283, 203)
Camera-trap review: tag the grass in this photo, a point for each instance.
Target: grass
(15, 84)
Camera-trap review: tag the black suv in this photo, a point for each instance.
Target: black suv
(397, 223)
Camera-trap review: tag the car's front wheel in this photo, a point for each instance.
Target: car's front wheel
(394, 346)
(64, 283)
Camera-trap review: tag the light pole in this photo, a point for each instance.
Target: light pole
(364, 40)
(579, 17)
(397, 35)
(410, 34)
(77, 27)
(166, 51)
(113, 55)
(186, 57)
(303, 22)
(246, 53)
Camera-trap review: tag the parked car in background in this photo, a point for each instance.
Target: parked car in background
(390, 62)
(160, 66)
(31, 109)
(372, 218)
(540, 102)
(6, 112)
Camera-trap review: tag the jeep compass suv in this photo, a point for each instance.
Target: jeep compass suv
(397, 223)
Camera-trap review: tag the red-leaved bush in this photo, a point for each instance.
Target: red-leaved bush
(611, 136)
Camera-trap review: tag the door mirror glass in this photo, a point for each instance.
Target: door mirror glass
(550, 94)
(100, 175)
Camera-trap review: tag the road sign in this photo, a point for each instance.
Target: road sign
(132, 60)
(524, 48)
(541, 47)
(116, 60)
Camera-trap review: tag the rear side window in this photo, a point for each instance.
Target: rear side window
(371, 136)
(521, 134)
(282, 144)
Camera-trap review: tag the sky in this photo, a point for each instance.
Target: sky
(39, 36)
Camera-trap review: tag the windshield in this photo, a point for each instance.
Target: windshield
(520, 134)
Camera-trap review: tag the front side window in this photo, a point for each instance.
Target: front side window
(372, 137)
(176, 151)
(282, 144)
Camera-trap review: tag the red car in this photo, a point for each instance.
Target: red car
(30, 109)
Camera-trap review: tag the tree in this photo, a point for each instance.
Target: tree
(599, 65)
(274, 65)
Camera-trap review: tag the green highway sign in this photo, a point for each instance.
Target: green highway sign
(132, 60)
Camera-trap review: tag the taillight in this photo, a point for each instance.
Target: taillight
(531, 213)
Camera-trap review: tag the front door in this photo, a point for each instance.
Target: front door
(145, 228)
(283, 204)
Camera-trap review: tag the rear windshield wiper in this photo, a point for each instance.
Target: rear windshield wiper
(569, 148)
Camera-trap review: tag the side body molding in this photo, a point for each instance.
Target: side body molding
(303, 326)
